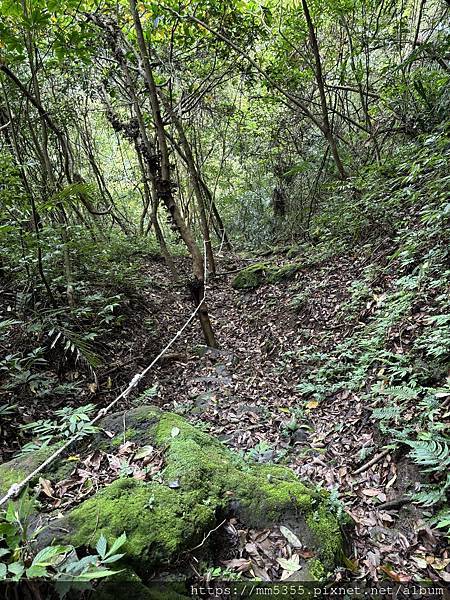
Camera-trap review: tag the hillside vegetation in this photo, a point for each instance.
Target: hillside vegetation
(225, 309)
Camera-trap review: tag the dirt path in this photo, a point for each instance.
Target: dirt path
(246, 395)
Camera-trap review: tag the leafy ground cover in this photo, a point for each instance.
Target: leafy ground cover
(338, 372)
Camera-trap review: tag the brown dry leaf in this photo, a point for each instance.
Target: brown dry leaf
(306, 553)
(261, 573)
(440, 563)
(261, 535)
(94, 460)
(126, 448)
(371, 492)
(46, 487)
(239, 564)
(398, 577)
(251, 549)
(114, 462)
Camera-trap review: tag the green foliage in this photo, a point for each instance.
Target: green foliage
(222, 574)
(442, 521)
(431, 453)
(395, 356)
(146, 395)
(56, 563)
(71, 421)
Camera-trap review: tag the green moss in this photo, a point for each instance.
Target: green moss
(326, 528)
(293, 251)
(250, 277)
(316, 569)
(130, 435)
(9, 476)
(144, 414)
(158, 521)
(138, 427)
(201, 481)
(60, 471)
(253, 276)
(283, 273)
(167, 425)
(18, 468)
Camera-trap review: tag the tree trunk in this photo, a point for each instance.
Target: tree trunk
(190, 163)
(327, 131)
(165, 188)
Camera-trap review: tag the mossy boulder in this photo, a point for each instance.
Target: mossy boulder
(202, 482)
(254, 275)
(283, 273)
(250, 277)
(18, 468)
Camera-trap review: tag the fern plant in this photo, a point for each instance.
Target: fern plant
(432, 494)
(442, 521)
(432, 453)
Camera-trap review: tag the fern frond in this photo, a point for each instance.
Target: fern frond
(400, 392)
(429, 497)
(433, 454)
(386, 413)
(78, 346)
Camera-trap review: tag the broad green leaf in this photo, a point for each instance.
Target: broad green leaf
(17, 569)
(101, 546)
(117, 544)
(50, 555)
(96, 575)
(112, 558)
(36, 571)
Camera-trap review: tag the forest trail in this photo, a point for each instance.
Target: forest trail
(246, 395)
(297, 153)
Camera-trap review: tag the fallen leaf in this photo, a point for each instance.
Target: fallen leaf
(291, 537)
(398, 577)
(143, 452)
(239, 564)
(46, 487)
(126, 448)
(420, 562)
(312, 404)
(440, 563)
(292, 565)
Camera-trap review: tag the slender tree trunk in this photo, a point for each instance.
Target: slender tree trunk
(327, 130)
(190, 163)
(35, 216)
(165, 189)
(221, 232)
